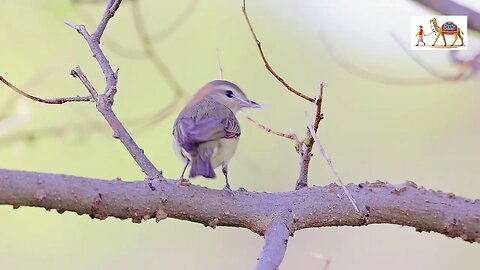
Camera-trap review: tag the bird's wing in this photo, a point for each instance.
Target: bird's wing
(190, 132)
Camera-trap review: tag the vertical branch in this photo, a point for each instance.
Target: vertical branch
(219, 63)
(305, 149)
(276, 240)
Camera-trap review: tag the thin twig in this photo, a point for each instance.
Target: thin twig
(330, 164)
(267, 64)
(219, 63)
(269, 130)
(39, 78)
(45, 100)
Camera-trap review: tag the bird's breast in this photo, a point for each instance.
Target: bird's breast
(223, 150)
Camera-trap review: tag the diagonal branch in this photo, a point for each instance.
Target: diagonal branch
(292, 137)
(105, 101)
(267, 64)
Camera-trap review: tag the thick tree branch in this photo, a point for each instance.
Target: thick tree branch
(404, 204)
(275, 215)
(276, 240)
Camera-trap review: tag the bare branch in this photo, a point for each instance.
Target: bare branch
(276, 239)
(330, 164)
(93, 42)
(45, 100)
(305, 149)
(112, 7)
(269, 130)
(267, 64)
(105, 101)
(404, 204)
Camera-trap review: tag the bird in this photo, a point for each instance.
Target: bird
(206, 132)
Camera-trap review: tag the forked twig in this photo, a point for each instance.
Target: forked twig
(105, 100)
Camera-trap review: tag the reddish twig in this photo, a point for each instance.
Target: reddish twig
(45, 100)
(267, 64)
(305, 149)
(269, 130)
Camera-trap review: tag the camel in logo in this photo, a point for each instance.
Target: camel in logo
(448, 28)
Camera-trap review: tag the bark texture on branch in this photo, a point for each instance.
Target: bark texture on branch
(380, 202)
(276, 240)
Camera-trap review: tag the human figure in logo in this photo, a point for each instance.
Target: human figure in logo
(420, 35)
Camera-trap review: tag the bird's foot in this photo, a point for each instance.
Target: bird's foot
(184, 182)
(149, 183)
(228, 189)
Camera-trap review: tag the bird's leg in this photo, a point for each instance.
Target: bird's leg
(225, 172)
(185, 168)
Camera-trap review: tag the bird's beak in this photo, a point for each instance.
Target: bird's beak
(246, 103)
(252, 104)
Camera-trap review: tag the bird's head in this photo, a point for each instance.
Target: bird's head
(226, 93)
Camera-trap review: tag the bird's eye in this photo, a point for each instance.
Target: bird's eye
(229, 93)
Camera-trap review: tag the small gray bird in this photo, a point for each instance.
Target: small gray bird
(206, 131)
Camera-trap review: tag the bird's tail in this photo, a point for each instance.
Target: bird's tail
(202, 166)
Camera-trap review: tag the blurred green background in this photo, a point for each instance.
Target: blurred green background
(423, 133)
